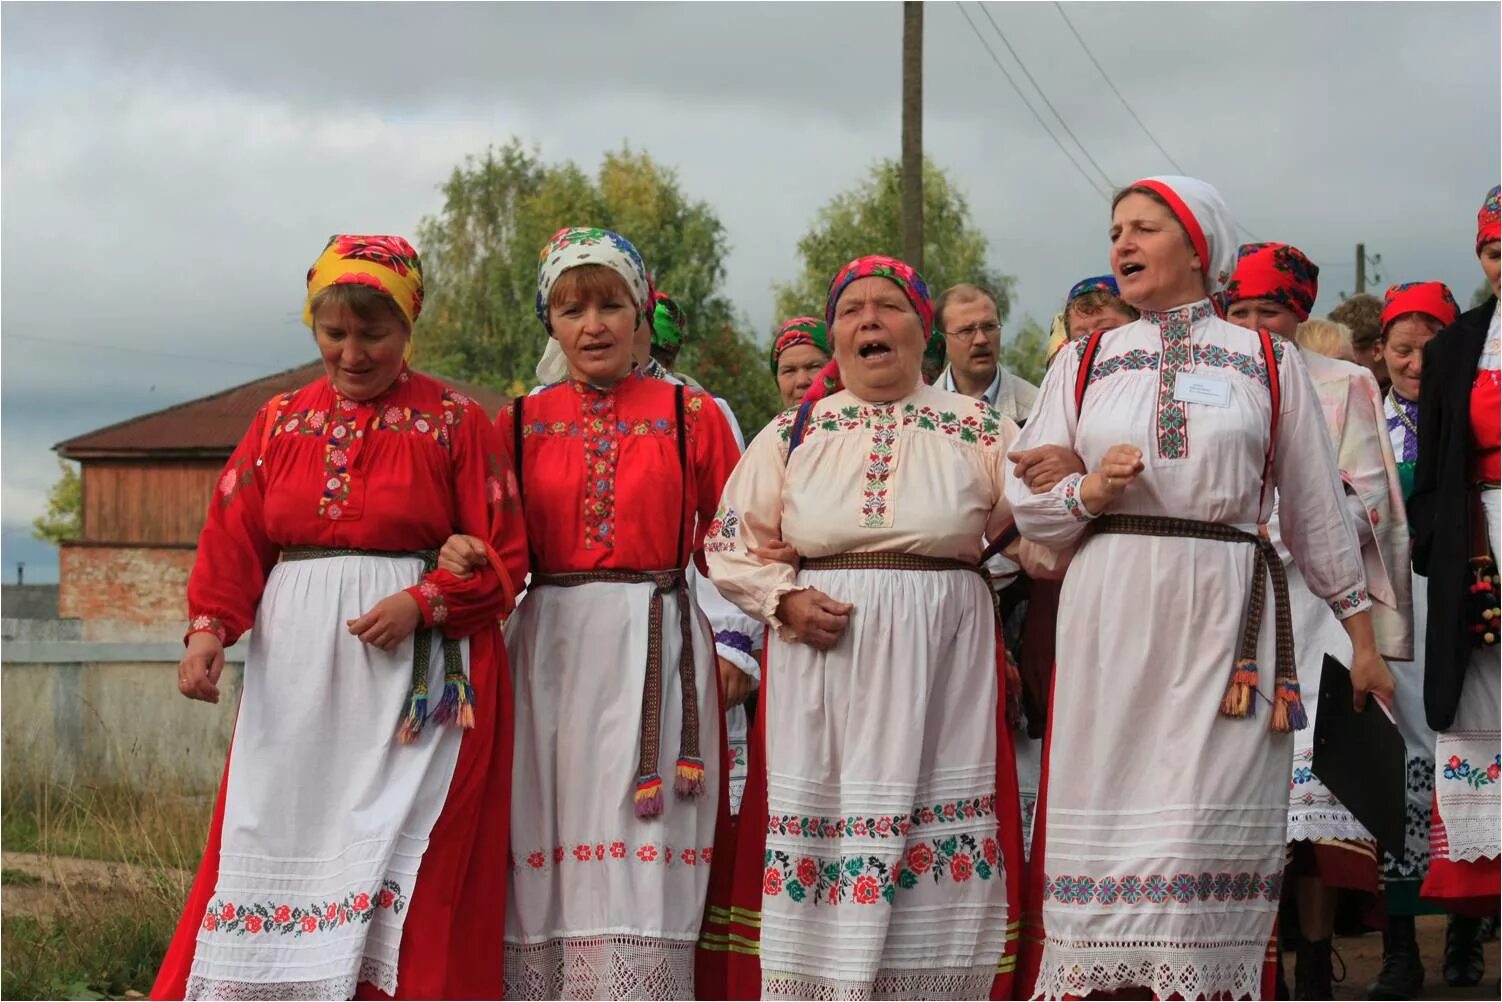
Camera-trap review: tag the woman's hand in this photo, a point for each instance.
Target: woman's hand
(1042, 468)
(391, 621)
(1119, 467)
(776, 552)
(811, 617)
(199, 670)
(461, 556)
(734, 683)
(1371, 676)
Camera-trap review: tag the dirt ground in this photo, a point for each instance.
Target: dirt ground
(1363, 959)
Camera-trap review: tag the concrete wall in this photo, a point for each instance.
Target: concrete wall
(82, 712)
(28, 601)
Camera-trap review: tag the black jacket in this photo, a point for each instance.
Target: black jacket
(1441, 509)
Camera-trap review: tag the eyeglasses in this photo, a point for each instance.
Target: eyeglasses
(969, 333)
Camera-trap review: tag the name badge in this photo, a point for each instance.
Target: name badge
(1212, 391)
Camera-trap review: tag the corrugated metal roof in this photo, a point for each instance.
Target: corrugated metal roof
(213, 425)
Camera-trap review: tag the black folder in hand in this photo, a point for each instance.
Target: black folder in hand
(1360, 756)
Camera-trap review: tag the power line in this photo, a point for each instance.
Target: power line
(138, 351)
(1129, 110)
(1106, 77)
(1062, 148)
(1106, 177)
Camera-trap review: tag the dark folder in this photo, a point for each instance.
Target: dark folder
(1360, 757)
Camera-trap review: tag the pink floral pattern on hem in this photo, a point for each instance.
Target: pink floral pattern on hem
(614, 851)
(298, 920)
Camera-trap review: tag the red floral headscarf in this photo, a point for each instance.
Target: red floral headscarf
(1433, 299)
(386, 263)
(903, 275)
(1279, 272)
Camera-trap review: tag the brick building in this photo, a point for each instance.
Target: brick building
(147, 483)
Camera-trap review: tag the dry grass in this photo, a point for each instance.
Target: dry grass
(79, 924)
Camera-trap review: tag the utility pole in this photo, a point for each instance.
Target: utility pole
(1360, 268)
(912, 133)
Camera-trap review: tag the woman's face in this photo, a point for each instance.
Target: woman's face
(1264, 314)
(1106, 319)
(596, 333)
(1491, 263)
(361, 358)
(1155, 267)
(796, 368)
(878, 340)
(1404, 351)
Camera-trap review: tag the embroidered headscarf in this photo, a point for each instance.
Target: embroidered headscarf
(1433, 299)
(386, 263)
(799, 330)
(903, 275)
(574, 246)
(669, 324)
(1101, 283)
(1202, 212)
(1279, 272)
(1489, 219)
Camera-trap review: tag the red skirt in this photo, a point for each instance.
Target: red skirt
(728, 959)
(457, 916)
(1467, 888)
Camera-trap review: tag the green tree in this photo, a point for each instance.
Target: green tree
(867, 219)
(1481, 295)
(1022, 350)
(480, 265)
(64, 518)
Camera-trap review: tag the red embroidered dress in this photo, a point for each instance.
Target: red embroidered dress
(326, 860)
(603, 903)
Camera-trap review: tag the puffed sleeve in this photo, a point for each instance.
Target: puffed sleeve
(1057, 517)
(749, 516)
(1314, 520)
(486, 506)
(714, 455)
(234, 554)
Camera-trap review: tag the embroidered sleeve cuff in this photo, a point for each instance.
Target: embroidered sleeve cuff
(207, 624)
(1347, 605)
(736, 647)
(1074, 500)
(430, 602)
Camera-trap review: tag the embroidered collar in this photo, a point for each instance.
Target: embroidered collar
(1190, 313)
(587, 389)
(346, 404)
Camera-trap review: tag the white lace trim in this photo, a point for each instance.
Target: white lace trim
(600, 967)
(1470, 839)
(1335, 823)
(1190, 971)
(378, 973)
(951, 983)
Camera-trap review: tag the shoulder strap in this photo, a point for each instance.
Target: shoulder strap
(683, 500)
(1270, 359)
(1000, 543)
(516, 442)
(800, 425)
(1087, 362)
(275, 406)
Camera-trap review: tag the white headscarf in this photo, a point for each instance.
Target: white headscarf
(1204, 216)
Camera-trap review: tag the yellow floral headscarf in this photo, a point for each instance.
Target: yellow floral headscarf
(381, 262)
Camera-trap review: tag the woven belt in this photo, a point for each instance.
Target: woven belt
(458, 703)
(892, 560)
(1288, 705)
(689, 772)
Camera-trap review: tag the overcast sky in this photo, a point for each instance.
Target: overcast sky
(169, 172)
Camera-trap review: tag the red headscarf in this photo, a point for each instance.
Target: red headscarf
(1279, 272)
(1432, 299)
(903, 275)
(1488, 227)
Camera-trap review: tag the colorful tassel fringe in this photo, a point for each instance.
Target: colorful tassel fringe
(413, 718)
(1288, 708)
(649, 796)
(457, 704)
(1238, 700)
(689, 781)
